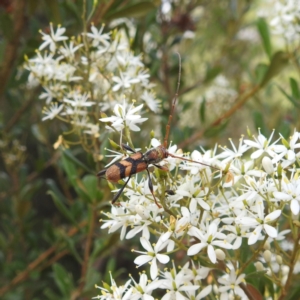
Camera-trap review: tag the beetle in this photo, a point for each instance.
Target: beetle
(138, 161)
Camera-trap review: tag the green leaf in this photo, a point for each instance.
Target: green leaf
(63, 280)
(71, 6)
(71, 246)
(211, 74)
(215, 130)
(260, 72)
(295, 88)
(202, 110)
(54, 10)
(77, 162)
(59, 200)
(259, 121)
(279, 60)
(69, 167)
(264, 32)
(6, 25)
(285, 128)
(133, 11)
(90, 184)
(290, 98)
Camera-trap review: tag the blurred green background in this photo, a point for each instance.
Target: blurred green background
(236, 74)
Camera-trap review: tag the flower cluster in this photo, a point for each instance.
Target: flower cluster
(286, 19)
(85, 75)
(211, 207)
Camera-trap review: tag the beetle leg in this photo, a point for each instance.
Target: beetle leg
(117, 195)
(126, 147)
(164, 168)
(151, 188)
(101, 173)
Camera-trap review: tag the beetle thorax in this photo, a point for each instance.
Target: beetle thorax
(156, 155)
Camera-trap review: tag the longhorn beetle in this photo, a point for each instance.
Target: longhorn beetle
(139, 162)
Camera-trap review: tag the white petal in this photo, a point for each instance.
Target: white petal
(163, 258)
(146, 244)
(203, 204)
(281, 196)
(211, 254)
(271, 231)
(171, 246)
(257, 154)
(273, 215)
(153, 269)
(251, 143)
(295, 207)
(237, 243)
(142, 259)
(254, 235)
(205, 292)
(196, 248)
(222, 244)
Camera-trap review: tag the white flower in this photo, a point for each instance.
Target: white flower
(234, 154)
(123, 81)
(118, 219)
(209, 239)
(150, 100)
(287, 155)
(284, 23)
(152, 255)
(143, 289)
(68, 50)
(53, 37)
(260, 222)
(92, 129)
(192, 190)
(115, 292)
(79, 100)
(231, 282)
(263, 146)
(52, 111)
(290, 193)
(124, 118)
(99, 37)
(176, 284)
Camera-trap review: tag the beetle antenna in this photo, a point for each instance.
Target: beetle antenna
(173, 105)
(190, 160)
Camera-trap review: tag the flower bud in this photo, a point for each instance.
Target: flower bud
(114, 144)
(279, 171)
(111, 186)
(152, 134)
(267, 256)
(279, 259)
(285, 270)
(220, 254)
(267, 165)
(267, 245)
(249, 132)
(259, 266)
(285, 143)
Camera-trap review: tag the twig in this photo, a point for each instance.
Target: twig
(100, 12)
(11, 49)
(18, 114)
(243, 99)
(32, 266)
(87, 250)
